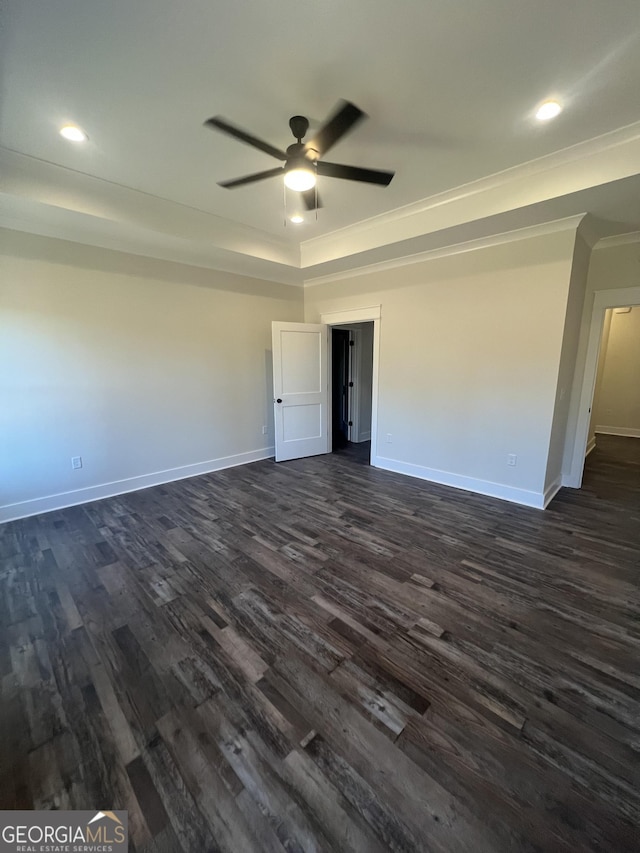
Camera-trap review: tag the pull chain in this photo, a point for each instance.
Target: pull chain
(284, 203)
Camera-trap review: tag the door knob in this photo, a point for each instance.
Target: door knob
(278, 400)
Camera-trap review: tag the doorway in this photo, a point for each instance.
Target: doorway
(340, 381)
(302, 392)
(356, 320)
(603, 300)
(616, 397)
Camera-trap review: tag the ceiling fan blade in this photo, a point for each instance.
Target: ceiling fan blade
(341, 122)
(311, 199)
(218, 123)
(354, 173)
(249, 179)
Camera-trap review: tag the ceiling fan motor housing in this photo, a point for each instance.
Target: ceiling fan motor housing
(299, 157)
(298, 153)
(299, 126)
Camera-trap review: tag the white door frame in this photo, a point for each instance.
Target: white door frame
(355, 357)
(371, 313)
(603, 299)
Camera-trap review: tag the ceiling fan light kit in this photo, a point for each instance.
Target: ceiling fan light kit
(302, 160)
(299, 177)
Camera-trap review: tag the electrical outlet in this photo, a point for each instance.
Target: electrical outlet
(388, 438)
(76, 462)
(265, 430)
(512, 459)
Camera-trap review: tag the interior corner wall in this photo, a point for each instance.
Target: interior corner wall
(470, 348)
(566, 368)
(149, 371)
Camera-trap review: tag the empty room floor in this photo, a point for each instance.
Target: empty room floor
(319, 655)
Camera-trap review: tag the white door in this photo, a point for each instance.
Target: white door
(300, 390)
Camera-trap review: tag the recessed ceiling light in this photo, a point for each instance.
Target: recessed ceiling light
(297, 218)
(550, 109)
(73, 133)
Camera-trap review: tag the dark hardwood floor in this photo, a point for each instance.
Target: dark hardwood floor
(318, 655)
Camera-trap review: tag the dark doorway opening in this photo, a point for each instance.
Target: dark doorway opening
(340, 388)
(351, 372)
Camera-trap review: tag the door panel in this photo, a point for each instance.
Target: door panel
(301, 420)
(301, 356)
(300, 384)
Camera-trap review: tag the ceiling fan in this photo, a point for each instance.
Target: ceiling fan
(302, 161)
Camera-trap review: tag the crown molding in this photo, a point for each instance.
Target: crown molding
(618, 240)
(112, 256)
(603, 159)
(589, 230)
(568, 223)
(38, 187)
(69, 227)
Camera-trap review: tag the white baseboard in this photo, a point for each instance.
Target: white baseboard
(551, 491)
(537, 500)
(23, 509)
(363, 436)
(629, 432)
(569, 479)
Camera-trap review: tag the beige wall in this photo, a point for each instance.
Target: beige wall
(470, 350)
(617, 399)
(151, 370)
(163, 369)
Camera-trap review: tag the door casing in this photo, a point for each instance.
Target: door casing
(352, 316)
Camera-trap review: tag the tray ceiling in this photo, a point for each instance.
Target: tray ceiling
(450, 89)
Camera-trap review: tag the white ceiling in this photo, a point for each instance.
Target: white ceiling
(450, 88)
